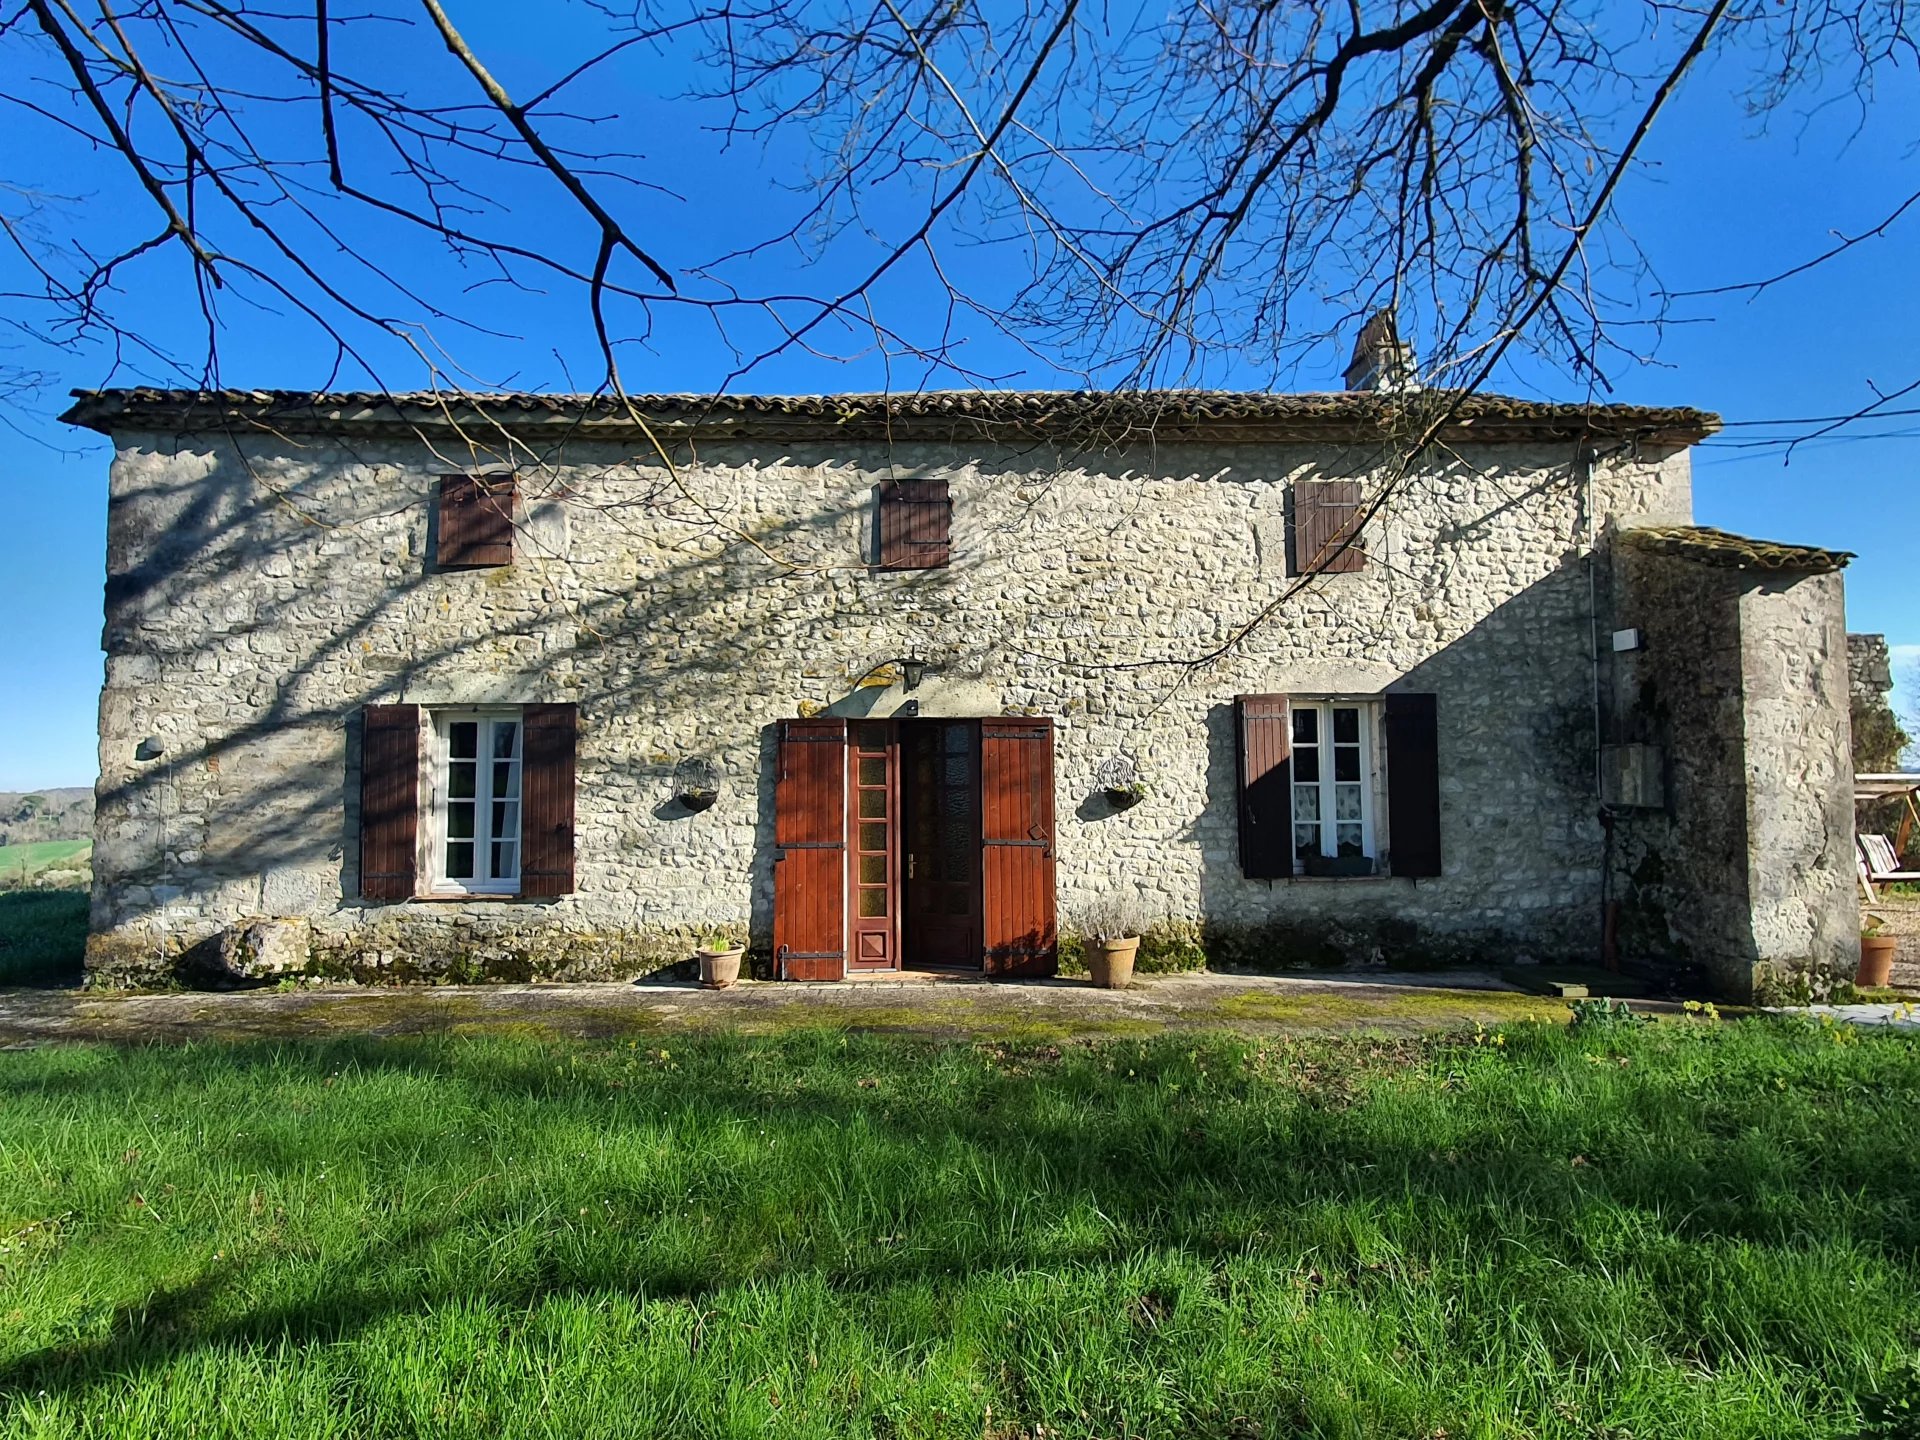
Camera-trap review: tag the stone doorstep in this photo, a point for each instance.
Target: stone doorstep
(1572, 982)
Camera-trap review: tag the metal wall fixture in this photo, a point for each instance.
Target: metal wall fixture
(696, 783)
(1119, 779)
(913, 669)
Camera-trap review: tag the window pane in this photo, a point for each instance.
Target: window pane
(873, 804)
(1346, 802)
(506, 780)
(463, 740)
(955, 739)
(460, 782)
(1306, 839)
(460, 822)
(873, 869)
(873, 904)
(1306, 726)
(1346, 762)
(873, 770)
(503, 860)
(506, 736)
(506, 819)
(1347, 837)
(873, 837)
(1306, 765)
(870, 738)
(1306, 802)
(460, 860)
(1346, 725)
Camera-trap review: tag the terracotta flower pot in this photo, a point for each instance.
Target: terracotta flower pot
(1111, 962)
(720, 968)
(1876, 961)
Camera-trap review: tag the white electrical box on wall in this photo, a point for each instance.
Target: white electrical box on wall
(1626, 640)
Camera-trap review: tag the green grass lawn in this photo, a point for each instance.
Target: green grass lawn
(1683, 1230)
(43, 936)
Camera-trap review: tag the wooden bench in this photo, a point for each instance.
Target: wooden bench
(1880, 864)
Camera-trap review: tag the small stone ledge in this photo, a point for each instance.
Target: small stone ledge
(381, 948)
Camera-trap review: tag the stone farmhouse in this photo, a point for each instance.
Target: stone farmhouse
(433, 687)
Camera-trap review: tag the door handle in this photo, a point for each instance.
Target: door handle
(910, 860)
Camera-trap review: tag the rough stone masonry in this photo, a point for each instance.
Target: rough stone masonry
(693, 571)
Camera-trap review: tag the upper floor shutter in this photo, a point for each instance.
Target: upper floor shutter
(389, 801)
(1263, 742)
(547, 776)
(476, 520)
(1325, 513)
(1413, 783)
(915, 523)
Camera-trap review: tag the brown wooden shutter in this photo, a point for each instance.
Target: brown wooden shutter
(1263, 740)
(1413, 784)
(1324, 514)
(389, 801)
(1019, 922)
(547, 777)
(916, 524)
(810, 851)
(476, 520)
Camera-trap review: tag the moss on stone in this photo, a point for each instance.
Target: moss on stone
(1340, 1009)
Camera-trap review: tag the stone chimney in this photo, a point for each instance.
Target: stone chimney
(1381, 359)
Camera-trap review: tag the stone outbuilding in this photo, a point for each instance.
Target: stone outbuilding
(532, 686)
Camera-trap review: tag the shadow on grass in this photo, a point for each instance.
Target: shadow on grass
(43, 936)
(1711, 1165)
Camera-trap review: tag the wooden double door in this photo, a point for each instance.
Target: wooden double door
(914, 844)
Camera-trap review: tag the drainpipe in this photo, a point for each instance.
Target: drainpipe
(1586, 458)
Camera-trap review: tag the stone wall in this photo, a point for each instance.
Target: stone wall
(1879, 740)
(1869, 669)
(262, 590)
(1746, 873)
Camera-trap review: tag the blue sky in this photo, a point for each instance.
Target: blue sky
(1719, 201)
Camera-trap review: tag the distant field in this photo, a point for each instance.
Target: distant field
(21, 862)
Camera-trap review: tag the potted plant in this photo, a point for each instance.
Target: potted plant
(1113, 942)
(1876, 954)
(1119, 780)
(696, 784)
(719, 955)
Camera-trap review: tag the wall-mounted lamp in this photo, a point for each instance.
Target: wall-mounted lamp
(149, 749)
(913, 670)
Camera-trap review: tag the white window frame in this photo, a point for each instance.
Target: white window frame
(1369, 781)
(440, 726)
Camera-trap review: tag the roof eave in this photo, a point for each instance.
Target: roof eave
(1023, 416)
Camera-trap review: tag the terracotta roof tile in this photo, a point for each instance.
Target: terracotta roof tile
(1704, 545)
